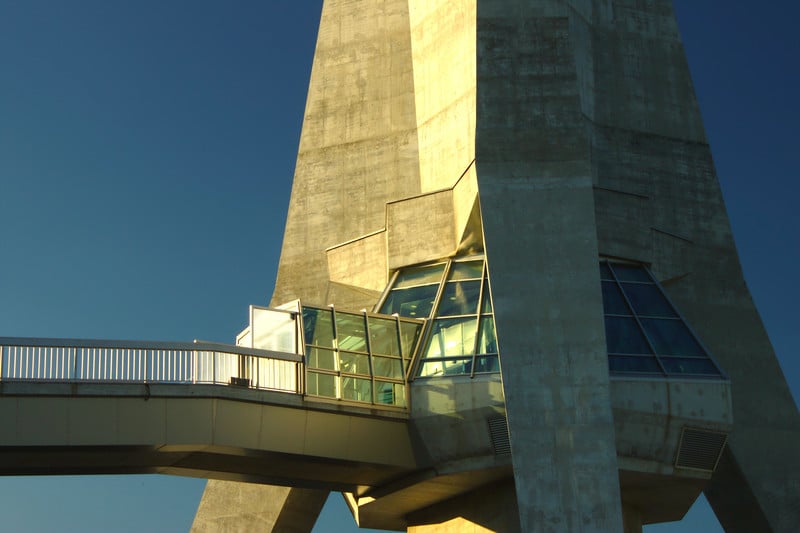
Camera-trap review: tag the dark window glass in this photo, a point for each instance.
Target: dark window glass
(647, 365)
(318, 326)
(487, 363)
(414, 303)
(701, 365)
(390, 393)
(605, 272)
(383, 336)
(613, 302)
(409, 277)
(466, 270)
(671, 337)
(487, 341)
(409, 333)
(459, 298)
(647, 300)
(624, 337)
(486, 306)
(351, 332)
(631, 273)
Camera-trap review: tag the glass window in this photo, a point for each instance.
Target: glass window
(410, 277)
(409, 334)
(652, 326)
(383, 336)
(415, 302)
(647, 300)
(671, 337)
(487, 363)
(486, 306)
(466, 270)
(624, 337)
(318, 326)
(452, 336)
(351, 332)
(390, 393)
(388, 368)
(487, 340)
(460, 298)
(631, 273)
(321, 384)
(354, 363)
(321, 358)
(446, 367)
(613, 301)
(359, 390)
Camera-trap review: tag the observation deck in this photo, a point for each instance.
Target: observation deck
(243, 412)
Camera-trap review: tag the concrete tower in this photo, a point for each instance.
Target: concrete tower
(558, 142)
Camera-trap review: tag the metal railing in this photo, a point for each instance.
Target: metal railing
(102, 361)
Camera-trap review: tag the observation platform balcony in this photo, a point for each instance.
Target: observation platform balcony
(243, 412)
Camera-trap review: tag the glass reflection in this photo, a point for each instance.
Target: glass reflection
(460, 298)
(452, 336)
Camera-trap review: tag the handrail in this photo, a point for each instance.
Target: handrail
(84, 360)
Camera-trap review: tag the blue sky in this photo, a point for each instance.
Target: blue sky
(146, 157)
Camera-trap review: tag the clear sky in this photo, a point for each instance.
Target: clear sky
(146, 157)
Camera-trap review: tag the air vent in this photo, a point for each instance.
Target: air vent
(700, 449)
(498, 432)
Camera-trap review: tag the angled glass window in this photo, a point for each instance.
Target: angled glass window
(359, 357)
(645, 335)
(460, 338)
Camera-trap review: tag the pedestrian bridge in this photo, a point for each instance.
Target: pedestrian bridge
(263, 411)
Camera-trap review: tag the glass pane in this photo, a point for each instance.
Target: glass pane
(674, 365)
(459, 298)
(613, 302)
(605, 272)
(390, 393)
(273, 330)
(383, 336)
(387, 368)
(354, 363)
(647, 300)
(631, 273)
(623, 336)
(454, 336)
(671, 337)
(351, 332)
(486, 306)
(409, 277)
(466, 270)
(409, 333)
(359, 390)
(448, 367)
(487, 341)
(321, 358)
(487, 363)
(321, 384)
(414, 303)
(647, 365)
(318, 326)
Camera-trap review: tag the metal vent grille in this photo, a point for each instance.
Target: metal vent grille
(498, 432)
(700, 449)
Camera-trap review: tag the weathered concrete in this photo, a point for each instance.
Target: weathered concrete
(578, 122)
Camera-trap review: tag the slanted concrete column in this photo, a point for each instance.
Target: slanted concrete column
(235, 507)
